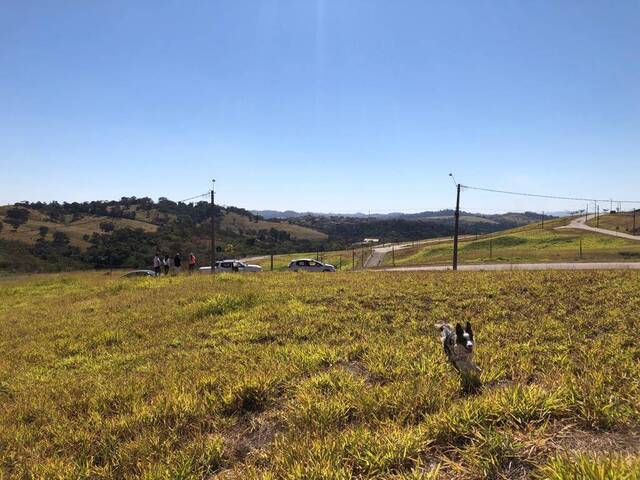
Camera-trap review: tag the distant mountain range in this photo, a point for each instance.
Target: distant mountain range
(291, 214)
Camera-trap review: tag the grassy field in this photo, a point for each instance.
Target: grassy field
(525, 244)
(620, 222)
(315, 376)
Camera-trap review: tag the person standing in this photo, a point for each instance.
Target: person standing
(156, 264)
(192, 262)
(165, 264)
(177, 261)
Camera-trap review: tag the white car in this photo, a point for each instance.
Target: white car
(308, 265)
(232, 266)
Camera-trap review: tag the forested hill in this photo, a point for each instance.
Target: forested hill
(36, 236)
(402, 227)
(127, 232)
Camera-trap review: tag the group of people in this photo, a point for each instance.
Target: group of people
(162, 264)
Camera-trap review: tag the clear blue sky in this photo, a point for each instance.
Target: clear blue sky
(325, 105)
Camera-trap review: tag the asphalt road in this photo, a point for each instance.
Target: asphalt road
(580, 223)
(377, 256)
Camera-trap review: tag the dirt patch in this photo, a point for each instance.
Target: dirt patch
(355, 368)
(575, 440)
(251, 433)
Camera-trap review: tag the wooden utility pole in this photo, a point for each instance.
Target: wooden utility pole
(542, 220)
(597, 216)
(456, 229)
(633, 232)
(213, 230)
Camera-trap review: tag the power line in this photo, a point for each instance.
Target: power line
(192, 198)
(555, 197)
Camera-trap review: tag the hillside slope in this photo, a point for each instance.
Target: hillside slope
(530, 243)
(319, 376)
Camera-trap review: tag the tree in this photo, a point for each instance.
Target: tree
(16, 217)
(107, 227)
(60, 238)
(43, 230)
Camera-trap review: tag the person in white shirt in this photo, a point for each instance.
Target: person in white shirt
(156, 264)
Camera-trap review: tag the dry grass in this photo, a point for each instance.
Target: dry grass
(76, 230)
(619, 222)
(318, 376)
(241, 224)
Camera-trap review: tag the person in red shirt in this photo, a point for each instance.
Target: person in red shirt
(192, 262)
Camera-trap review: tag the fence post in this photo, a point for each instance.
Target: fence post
(340, 264)
(393, 255)
(580, 247)
(490, 249)
(272, 262)
(353, 259)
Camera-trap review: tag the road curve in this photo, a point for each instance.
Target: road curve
(580, 223)
(522, 266)
(377, 255)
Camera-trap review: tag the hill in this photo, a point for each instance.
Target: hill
(530, 243)
(129, 231)
(619, 222)
(414, 226)
(318, 376)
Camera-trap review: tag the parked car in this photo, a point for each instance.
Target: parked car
(139, 273)
(232, 266)
(308, 265)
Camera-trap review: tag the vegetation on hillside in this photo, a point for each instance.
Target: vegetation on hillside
(620, 222)
(531, 243)
(318, 376)
(128, 232)
(412, 227)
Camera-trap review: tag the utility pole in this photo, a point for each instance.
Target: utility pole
(633, 232)
(213, 230)
(456, 228)
(542, 220)
(586, 213)
(597, 216)
(393, 255)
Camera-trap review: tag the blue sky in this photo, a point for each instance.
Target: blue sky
(325, 105)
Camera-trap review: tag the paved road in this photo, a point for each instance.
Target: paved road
(377, 255)
(580, 223)
(523, 266)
